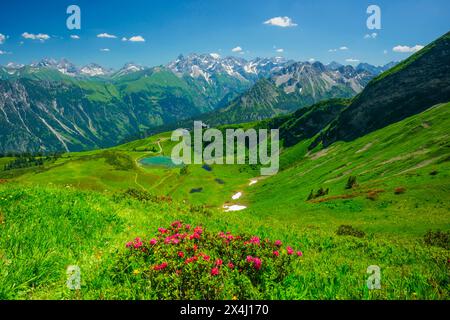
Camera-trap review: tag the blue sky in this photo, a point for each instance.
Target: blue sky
(322, 29)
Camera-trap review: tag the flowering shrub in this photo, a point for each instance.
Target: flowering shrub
(182, 262)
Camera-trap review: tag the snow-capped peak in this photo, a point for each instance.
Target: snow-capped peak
(64, 66)
(205, 65)
(13, 65)
(94, 70)
(129, 68)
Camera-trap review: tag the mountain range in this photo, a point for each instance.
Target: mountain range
(54, 105)
(296, 85)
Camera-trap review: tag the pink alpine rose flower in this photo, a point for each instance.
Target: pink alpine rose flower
(137, 243)
(289, 250)
(257, 263)
(198, 230)
(176, 224)
(160, 266)
(215, 271)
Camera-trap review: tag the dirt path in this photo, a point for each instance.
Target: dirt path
(159, 145)
(137, 183)
(158, 142)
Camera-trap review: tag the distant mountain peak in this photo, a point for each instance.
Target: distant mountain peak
(62, 65)
(333, 65)
(13, 65)
(94, 69)
(129, 68)
(375, 69)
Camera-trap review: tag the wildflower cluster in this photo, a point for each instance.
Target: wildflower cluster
(187, 262)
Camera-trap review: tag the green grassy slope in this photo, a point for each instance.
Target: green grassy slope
(401, 155)
(44, 230)
(413, 154)
(306, 122)
(118, 168)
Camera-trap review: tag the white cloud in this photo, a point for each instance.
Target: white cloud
(351, 60)
(406, 49)
(385, 52)
(2, 38)
(280, 50)
(136, 39)
(371, 35)
(105, 50)
(106, 35)
(343, 48)
(4, 52)
(74, 36)
(283, 22)
(237, 49)
(39, 36)
(311, 60)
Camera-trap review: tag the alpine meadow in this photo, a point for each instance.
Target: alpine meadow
(94, 206)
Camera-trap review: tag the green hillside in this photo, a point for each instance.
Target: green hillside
(412, 155)
(265, 100)
(46, 110)
(262, 101)
(420, 81)
(306, 122)
(118, 168)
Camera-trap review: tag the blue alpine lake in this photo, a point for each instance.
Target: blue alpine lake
(159, 161)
